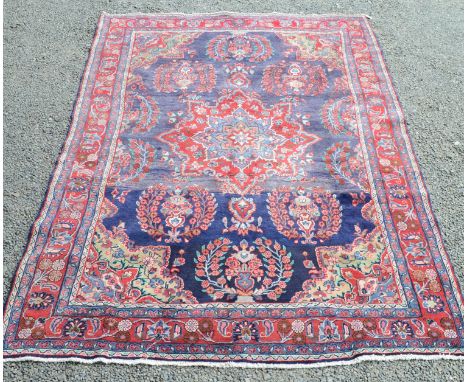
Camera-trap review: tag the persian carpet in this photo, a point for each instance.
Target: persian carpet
(235, 190)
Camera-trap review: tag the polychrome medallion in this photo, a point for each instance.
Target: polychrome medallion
(235, 188)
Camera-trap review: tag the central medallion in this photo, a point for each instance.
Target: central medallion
(240, 138)
(239, 141)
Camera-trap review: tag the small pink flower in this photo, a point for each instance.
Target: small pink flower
(297, 326)
(191, 326)
(125, 325)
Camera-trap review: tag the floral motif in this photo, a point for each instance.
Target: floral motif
(446, 323)
(191, 338)
(109, 323)
(450, 333)
(294, 78)
(346, 165)
(239, 47)
(328, 331)
(402, 329)
(433, 304)
(339, 116)
(159, 331)
(180, 75)
(150, 47)
(313, 215)
(49, 271)
(40, 300)
(416, 249)
(131, 163)
(284, 326)
(239, 74)
(122, 336)
(239, 141)
(245, 331)
(206, 326)
(297, 326)
(242, 210)
(24, 333)
(244, 273)
(315, 47)
(78, 185)
(398, 191)
(370, 277)
(123, 273)
(357, 271)
(74, 328)
(175, 215)
(191, 326)
(124, 325)
(141, 111)
(38, 333)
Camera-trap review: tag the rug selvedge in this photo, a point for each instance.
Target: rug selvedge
(235, 188)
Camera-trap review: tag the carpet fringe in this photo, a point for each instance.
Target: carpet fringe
(220, 13)
(228, 364)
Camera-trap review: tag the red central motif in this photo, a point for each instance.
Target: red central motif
(239, 141)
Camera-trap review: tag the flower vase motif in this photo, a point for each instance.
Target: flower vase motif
(244, 273)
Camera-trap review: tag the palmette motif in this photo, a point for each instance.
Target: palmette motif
(294, 78)
(243, 220)
(313, 215)
(184, 76)
(235, 188)
(176, 215)
(239, 47)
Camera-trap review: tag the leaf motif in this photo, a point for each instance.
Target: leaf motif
(54, 324)
(383, 325)
(419, 325)
(177, 331)
(310, 329)
(222, 327)
(268, 327)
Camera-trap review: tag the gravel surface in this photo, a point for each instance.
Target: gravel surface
(46, 46)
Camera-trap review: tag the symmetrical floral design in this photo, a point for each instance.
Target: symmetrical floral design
(180, 75)
(294, 78)
(239, 47)
(244, 273)
(239, 74)
(311, 215)
(243, 221)
(235, 189)
(239, 141)
(175, 215)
